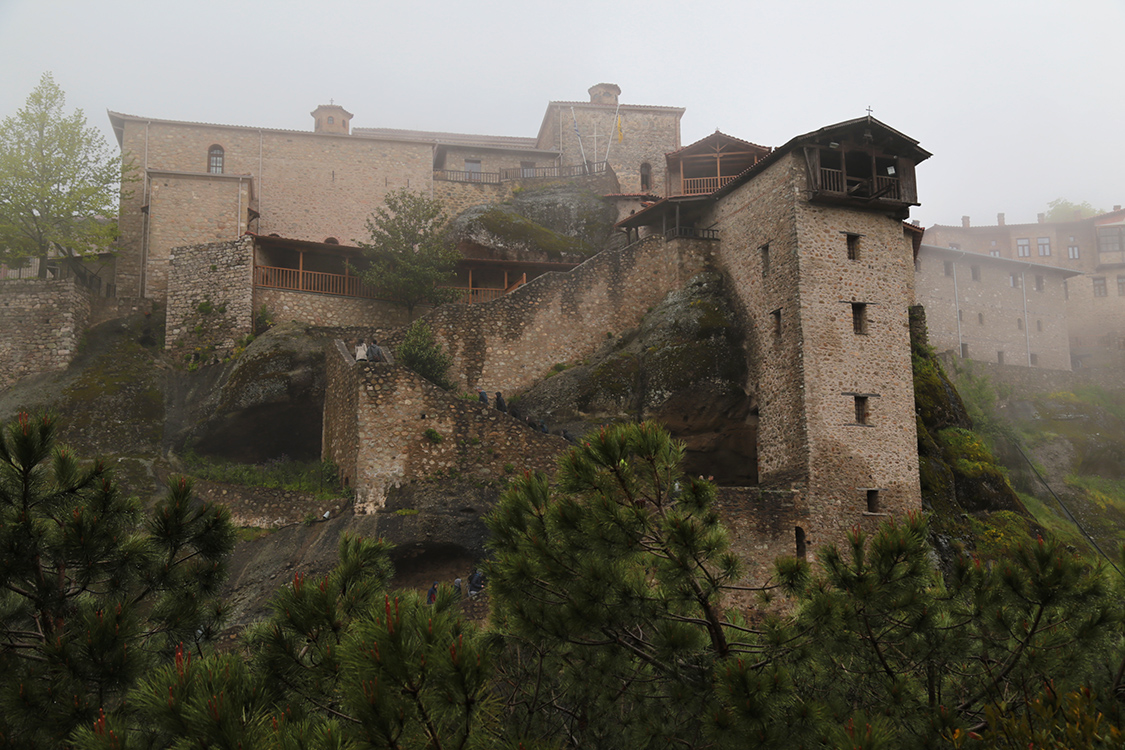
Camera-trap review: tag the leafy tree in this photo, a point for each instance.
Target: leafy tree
(1061, 209)
(59, 182)
(422, 354)
(92, 594)
(407, 252)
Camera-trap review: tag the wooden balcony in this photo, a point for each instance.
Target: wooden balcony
(704, 185)
(457, 175)
(337, 284)
(835, 181)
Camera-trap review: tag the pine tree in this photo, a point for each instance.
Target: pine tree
(339, 664)
(607, 590)
(92, 593)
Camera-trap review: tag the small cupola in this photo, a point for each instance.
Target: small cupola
(605, 93)
(331, 118)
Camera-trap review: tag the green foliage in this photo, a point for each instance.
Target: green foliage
(263, 320)
(422, 354)
(509, 225)
(1054, 721)
(93, 593)
(319, 478)
(1061, 209)
(433, 435)
(407, 251)
(206, 307)
(59, 182)
(627, 561)
(339, 664)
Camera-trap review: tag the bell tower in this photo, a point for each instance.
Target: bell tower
(332, 119)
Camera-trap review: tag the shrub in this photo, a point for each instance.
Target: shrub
(433, 435)
(420, 353)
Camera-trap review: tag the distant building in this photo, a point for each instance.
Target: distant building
(1093, 249)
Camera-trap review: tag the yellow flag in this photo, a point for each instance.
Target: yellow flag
(620, 135)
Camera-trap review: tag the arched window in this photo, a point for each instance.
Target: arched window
(215, 160)
(331, 119)
(646, 176)
(331, 241)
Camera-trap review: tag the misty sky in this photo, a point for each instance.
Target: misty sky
(1018, 101)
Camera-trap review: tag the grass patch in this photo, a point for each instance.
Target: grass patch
(320, 479)
(1050, 518)
(250, 533)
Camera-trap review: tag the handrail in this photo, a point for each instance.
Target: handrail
(691, 233)
(292, 279)
(520, 173)
(460, 175)
(704, 185)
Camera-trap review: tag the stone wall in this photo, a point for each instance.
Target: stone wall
(328, 310)
(110, 308)
(305, 185)
(647, 134)
(510, 343)
(41, 323)
(265, 508)
(992, 316)
(210, 298)
(400, 427)
(761, 524)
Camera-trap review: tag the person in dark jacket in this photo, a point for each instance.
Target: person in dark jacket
(483, 396)
(501, 404)
(431, 595)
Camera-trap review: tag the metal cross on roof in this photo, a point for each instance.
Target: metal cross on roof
(868, 110)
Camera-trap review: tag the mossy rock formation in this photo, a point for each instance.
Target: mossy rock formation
(685, 366)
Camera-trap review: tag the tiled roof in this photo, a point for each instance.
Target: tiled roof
(505, 141)
(712, 135)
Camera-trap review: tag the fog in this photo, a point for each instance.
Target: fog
(1016, 100)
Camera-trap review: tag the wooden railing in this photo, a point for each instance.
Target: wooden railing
(457, 175)
(483, 294)
(576, 170)
(311, 281)
(519, 173)
(887, 188)
(704, 185)
(691, 233)
(832, 180)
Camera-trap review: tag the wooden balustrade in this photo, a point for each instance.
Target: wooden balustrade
(832, 180)
(476, 296)
(458, 175)
(337, 284)
(704, 185)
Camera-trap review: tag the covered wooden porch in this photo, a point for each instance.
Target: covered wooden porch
(710, 163)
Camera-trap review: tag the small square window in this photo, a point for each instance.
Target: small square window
(859, 317)
(964, 351)
(1033, 358)
(1072, 251)
(765, 253)
(980, 318)
(1099, 286)
(976, 272)
(1014, 280)
(861, 414)
(1039, 283)
(873, 505)
(1066, 290)
(1039, 326)
(948, 268)
(961, 315)
(1019, 324)
(994, 253)
(1044, 247)
(1121, 286)
(1023, 248)
(999, 358)
(853, 246)
(775, 317)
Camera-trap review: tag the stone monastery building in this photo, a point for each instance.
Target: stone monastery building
(810, 235)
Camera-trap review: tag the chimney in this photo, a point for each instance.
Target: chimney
(916, 222)
(1117, 208)
(605, 93)
(1042, 218)
(999, 220)
(965, 221)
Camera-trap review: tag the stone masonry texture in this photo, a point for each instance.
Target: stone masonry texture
(43, 324)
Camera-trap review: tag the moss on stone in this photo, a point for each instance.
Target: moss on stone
(508, 225)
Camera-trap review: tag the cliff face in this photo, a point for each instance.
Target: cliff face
(685, 366)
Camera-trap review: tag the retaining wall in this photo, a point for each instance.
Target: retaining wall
(41, 324)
